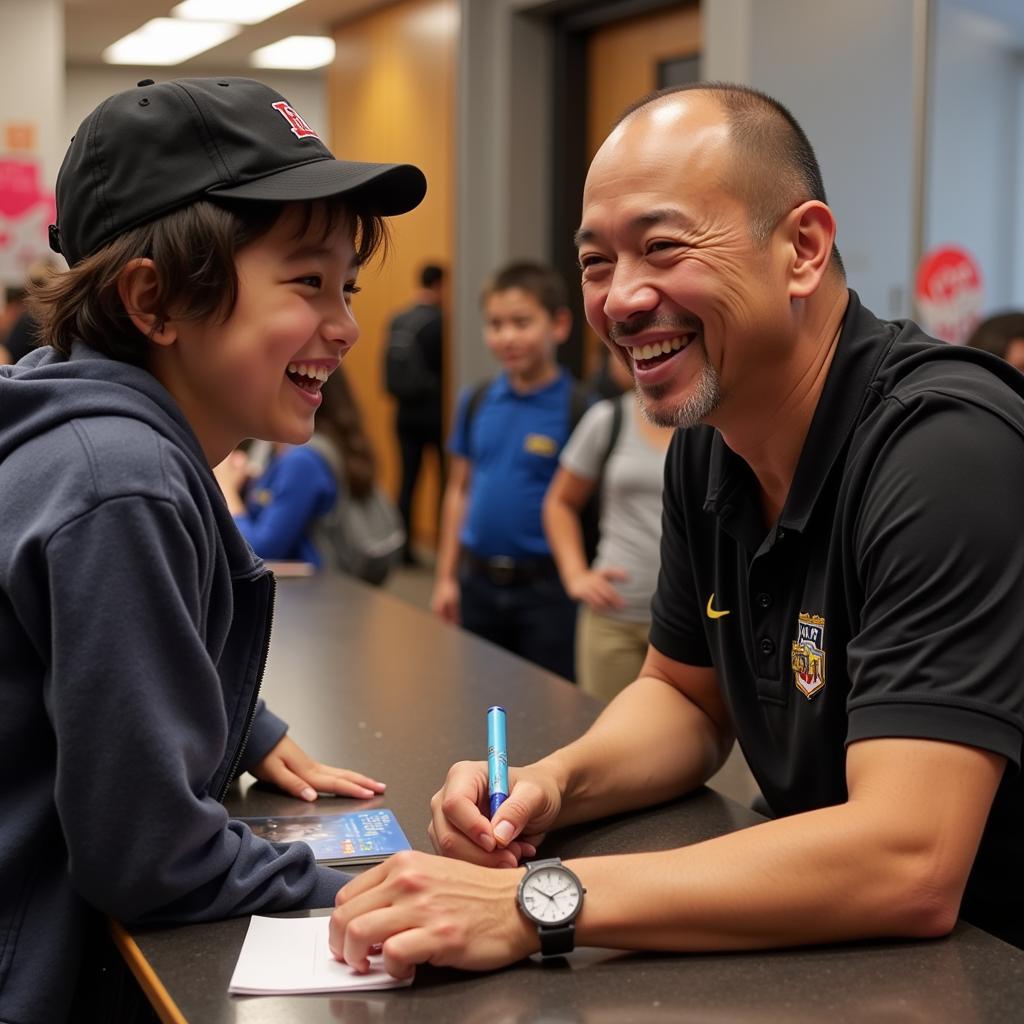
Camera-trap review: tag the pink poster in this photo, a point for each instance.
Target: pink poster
(26, 212)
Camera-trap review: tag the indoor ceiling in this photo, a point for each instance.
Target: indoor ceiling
(90, 26)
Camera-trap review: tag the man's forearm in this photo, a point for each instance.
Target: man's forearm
(891, 861)
(650, 744)
(824, 876)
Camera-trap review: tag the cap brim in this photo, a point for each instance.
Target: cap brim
(388, 189)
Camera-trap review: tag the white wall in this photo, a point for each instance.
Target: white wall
(975, 189)
(32, 72)
(87, 87)
(32, 96)
(846, 73)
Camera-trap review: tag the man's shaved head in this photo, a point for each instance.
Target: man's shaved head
(774, 169)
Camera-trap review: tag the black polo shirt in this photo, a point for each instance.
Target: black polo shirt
(886, 601)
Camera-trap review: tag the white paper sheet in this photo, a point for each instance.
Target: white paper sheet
(291, 954)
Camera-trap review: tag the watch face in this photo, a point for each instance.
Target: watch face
(550, 895)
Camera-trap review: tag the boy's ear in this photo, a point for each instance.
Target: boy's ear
(139, 291)
(561, 324)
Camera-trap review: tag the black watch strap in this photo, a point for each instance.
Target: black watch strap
(557, 941)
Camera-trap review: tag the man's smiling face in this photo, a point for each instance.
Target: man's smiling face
(673, 280)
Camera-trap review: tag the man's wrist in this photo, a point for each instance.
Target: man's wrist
(556, 767)
(524, 938)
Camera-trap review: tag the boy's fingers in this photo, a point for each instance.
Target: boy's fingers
(341, 782)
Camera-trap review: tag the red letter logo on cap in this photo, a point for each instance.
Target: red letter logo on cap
(300, 129)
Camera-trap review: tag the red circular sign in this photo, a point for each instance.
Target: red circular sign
(948, 292)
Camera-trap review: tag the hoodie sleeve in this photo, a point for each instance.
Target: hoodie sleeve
(140, 726)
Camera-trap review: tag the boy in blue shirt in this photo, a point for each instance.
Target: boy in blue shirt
(213, 243)
(495, 574)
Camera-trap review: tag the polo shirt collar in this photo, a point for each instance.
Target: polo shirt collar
(732, 488)
(502, 387)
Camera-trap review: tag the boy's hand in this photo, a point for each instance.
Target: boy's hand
(444, 602)
(423, 909)
(290, 768)
(459, 826)
(596, 589)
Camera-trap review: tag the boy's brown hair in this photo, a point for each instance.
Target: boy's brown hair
(194, 250)
(544, 283)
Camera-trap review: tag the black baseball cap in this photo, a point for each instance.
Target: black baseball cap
(153, 149)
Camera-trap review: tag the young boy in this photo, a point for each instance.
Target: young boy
(213, 244)
(495, 573)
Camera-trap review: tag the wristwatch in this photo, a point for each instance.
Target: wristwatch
(551, 896)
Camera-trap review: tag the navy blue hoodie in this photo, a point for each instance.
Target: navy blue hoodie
(134, 624)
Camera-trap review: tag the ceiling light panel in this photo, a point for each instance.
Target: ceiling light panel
(296, 53)
(242, 12)
(168, 41)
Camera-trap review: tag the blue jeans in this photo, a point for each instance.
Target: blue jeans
(534, 618)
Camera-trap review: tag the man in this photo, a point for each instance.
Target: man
(413, 376)
(840, 586)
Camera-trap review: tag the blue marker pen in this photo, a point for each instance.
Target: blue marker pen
(497, 758)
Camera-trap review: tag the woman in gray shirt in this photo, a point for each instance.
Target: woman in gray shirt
(615, 591)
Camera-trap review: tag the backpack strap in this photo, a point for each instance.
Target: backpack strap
(475, 399)
(613, 436)
(579, 402)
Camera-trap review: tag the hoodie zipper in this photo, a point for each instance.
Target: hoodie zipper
(251, 715)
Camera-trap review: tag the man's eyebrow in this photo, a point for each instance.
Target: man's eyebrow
(649, 219)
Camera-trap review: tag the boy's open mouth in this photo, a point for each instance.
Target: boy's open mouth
(309, 378)
(647, 356)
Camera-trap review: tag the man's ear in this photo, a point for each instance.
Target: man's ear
(811, 231)
(139, 291)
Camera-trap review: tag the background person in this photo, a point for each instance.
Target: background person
(1003, 336)
(841, 586)
(495, 575)
(614, 591)
(414, 376)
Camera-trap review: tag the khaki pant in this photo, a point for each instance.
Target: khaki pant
(609, 652)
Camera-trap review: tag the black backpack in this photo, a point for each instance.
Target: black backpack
(406, 373)
(579, 403)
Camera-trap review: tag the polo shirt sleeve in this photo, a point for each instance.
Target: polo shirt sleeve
(938, 652)
(677, 628)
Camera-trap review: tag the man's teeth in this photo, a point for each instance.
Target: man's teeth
(660, 347)
(320, 373)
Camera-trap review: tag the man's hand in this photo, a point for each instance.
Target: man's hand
(444, 602)
(596, 589)
(290, 768)
(424, 909)
(459, 826)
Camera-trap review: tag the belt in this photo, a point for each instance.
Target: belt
(504, 571)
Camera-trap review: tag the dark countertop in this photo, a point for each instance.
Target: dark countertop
(370, 683)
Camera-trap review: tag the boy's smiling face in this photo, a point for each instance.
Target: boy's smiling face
(523, 335)
(259, 372)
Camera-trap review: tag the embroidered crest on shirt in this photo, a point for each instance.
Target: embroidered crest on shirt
(540, 444)
(808, 654)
